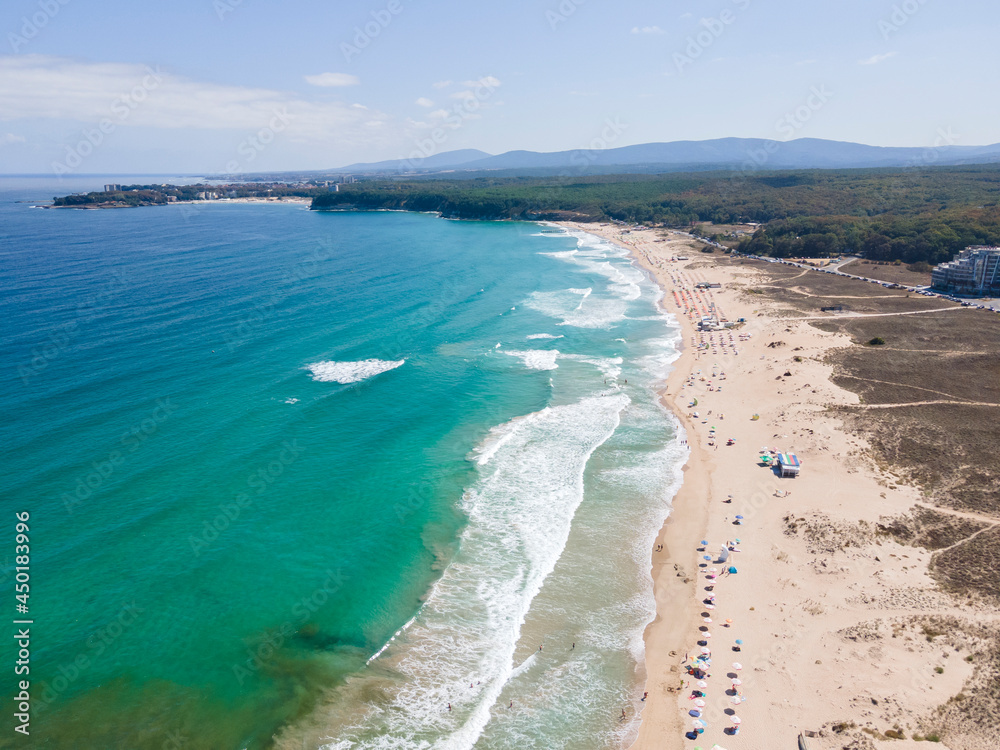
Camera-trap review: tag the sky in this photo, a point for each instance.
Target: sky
(237, 86)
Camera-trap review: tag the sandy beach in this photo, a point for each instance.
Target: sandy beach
(836, 620)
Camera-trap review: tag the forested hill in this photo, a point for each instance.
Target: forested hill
(916, 214)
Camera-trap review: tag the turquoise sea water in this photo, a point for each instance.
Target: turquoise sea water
(300, 479)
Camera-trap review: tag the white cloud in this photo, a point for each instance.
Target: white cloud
(442, 84)
(333, 79)
(647, 30)
(8, 138)
(476, 88)
(127, 94)
(438, 114)
(687, 15)
(875, 59)
(488, 81)
(424, 102)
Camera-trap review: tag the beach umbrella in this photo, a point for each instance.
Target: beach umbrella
(701, 684)
(706, 635)
(737, 681)
(713, 570)
(700, 703)
(728, 622)
(694, 712)
(736, 720)
(739, 641)
(698, 724)
(737, 666)
(706, 650)
(706, 557)
(740, 517)
(703, 541)
(709, 606)
(707, 619)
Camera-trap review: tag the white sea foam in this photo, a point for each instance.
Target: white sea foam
(351, 372)
(568, 307)
(520, 510)
(291, 401)
(543, 336)
(537, 359)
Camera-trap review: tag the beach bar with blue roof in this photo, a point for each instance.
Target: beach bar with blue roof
(788, 465)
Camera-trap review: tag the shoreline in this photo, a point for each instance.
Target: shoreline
(830, 611)
(673, 580)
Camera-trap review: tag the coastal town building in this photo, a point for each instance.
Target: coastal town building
(975, 271)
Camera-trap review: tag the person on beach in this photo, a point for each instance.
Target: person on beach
(645, 694)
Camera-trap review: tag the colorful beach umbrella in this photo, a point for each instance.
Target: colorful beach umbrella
(736, 720)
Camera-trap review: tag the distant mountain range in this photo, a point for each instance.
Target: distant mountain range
(719, 153)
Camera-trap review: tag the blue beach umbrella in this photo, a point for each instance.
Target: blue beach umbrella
(704, 541)
(739, 641)
(740, 517)
(706, 557)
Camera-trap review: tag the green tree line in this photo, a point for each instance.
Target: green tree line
(913, 215)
